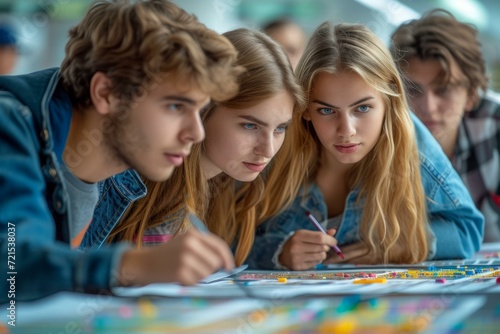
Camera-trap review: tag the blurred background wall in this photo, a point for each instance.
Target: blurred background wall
(42, 25)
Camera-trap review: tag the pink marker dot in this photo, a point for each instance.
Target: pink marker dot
(125, 312)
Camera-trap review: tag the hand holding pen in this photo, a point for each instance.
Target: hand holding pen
(305, 249)
(186, 259)
(321, 229)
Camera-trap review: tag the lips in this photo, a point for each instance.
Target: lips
(255, 167)
(175, 159)
(347, 148)
(431, 124)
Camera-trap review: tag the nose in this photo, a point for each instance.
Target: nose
(426, 104)
(346, 126)
(194, 131)
(265, 146)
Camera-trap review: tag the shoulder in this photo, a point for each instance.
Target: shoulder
(10, 106)
(488, 108)
(127, 184)
(16, 119)
(435, 166)
(428, 146)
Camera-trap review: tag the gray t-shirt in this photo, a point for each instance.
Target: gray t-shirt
(83, 198)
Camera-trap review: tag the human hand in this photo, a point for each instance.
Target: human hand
(305, 249)
(186, 259)
(357, 253)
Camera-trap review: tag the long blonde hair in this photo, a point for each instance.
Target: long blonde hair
(394, 222)
(226, 206)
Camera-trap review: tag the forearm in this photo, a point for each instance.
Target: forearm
(457, 239)
(41, 269)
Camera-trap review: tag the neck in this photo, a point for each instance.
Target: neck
(331, 166)
(86, 153)
(333, 183)
(448, 144)
(208, 168)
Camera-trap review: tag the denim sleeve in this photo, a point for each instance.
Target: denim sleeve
(270, 236)
(40, 265)
(454, 219)
(457, 225)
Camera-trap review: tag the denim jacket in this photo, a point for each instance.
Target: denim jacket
(35, 117)
(115, 196)
(456, 224)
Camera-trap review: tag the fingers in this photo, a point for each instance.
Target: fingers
(315, 238)
(331, 231)
(185, 259)
(203, 254)
(220, 251)
(357, 253)
(305, 249)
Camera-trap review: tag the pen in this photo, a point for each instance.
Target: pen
(320, 228)
(198, 224)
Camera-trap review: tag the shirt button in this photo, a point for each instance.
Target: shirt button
(58, 205)
(52, 172)
(45, 134)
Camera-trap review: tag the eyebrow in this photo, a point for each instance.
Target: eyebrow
(186, 100)
(258, 121)
(351, 105)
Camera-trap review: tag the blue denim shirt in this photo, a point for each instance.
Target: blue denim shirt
(35, 116)
(455, 222)
(115, 196)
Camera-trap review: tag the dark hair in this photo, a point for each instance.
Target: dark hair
(276, 24)
(439, 35)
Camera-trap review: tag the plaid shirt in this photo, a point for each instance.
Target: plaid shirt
(477, 160)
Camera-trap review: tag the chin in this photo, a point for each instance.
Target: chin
(159, 176)
(349, 161)
(245, 178)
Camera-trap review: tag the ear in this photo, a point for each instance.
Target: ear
(100, 93)
(472, 98)
(306, 115)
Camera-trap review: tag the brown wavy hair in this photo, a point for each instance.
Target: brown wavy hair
(137, 43)
(439, 35)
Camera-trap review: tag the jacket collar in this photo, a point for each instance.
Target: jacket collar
(50, 105)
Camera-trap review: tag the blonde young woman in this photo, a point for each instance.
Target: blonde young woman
(243, 135)
(367, 169)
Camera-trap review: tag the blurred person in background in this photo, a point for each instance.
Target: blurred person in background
(290, 35)
(447, 89)
(9, 52)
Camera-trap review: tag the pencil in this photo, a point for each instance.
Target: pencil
(321, 229)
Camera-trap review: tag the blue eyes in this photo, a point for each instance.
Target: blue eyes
(325, 111)
(363, 108)
(249, 126)
(281, 129)
(175, 107)
(328, 111)
(252, 126)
